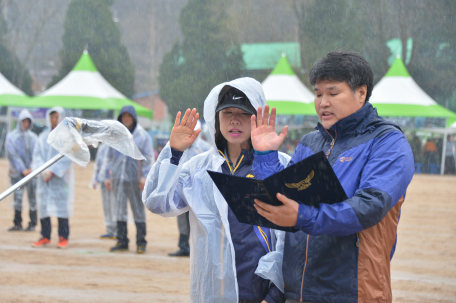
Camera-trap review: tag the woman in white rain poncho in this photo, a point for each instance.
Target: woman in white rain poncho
(224, 253)
(55, 188)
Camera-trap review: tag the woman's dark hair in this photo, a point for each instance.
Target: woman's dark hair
(220, 141)
(347, 67)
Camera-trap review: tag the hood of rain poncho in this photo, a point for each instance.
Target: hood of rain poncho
(57, 109)
(172, 190)
(250, 87)
(130, 110)
(24, 114)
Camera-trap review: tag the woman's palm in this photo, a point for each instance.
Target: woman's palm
(264, 136)
(183, 134)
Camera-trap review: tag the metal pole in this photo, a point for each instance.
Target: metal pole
(442, 163)
(30, 176)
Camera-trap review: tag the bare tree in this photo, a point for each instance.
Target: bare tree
(26, 21)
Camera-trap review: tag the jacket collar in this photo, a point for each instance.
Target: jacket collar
(351, 125)
(246, 156)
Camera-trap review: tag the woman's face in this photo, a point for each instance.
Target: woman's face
(235, 125)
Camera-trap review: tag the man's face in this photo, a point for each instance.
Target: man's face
(335, 100)
(127, 120)
(54, 117)
(25, 124)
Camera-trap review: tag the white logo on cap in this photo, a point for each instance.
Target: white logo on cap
(235, 98)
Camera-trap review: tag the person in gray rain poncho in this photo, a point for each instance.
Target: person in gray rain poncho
(109, 200)
(19, 146)
(226, 257)
(55, 189)
(183, 221)
(127, 180)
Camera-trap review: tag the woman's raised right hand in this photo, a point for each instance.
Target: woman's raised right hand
(183, 135)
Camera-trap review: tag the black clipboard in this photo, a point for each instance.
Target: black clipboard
(310, 181)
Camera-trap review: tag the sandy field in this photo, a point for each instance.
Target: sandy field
(423, 268)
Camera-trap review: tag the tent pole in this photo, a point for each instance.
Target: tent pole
(442, 164)
(8, 115)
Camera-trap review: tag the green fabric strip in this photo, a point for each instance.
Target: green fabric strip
(14, 100)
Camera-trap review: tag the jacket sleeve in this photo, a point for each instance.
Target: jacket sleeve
(163, 192)
(37, 159)
(60, 167)
(383, 181)
(13, 155)
(265, 165)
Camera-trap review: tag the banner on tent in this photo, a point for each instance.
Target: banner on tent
(36, 112)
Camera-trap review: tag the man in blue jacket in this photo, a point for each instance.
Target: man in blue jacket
(342, 251)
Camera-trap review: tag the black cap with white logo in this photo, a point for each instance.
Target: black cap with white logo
(235, 98)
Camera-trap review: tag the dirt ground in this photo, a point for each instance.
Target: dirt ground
(423, 268)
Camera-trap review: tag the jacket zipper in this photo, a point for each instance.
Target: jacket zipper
(305, 265)
(332, 144)
(307, 245)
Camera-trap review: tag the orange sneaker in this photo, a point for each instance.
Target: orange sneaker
(42, 242)
(63, 243)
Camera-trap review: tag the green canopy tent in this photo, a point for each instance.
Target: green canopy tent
(10, 96)
(284, 91)
(398, 95)
(85, 88)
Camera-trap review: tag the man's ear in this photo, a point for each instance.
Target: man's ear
(361, 94)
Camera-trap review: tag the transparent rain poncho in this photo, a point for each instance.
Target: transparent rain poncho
(126, 174)
(19, 146)
(73, 135)
(56, 197)
(171, 190)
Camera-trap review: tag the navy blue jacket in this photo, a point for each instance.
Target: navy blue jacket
(342, 251)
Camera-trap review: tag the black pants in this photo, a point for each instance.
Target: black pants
(122, 233)
(64, 227)
(124, 192)
(183, 224)
(450, 167)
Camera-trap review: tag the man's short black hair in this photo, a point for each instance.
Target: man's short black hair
(347, 67)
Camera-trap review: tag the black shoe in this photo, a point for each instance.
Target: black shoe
(119, 247)
(16, 228)
(180, 253)
(30, 228)
(141, 249)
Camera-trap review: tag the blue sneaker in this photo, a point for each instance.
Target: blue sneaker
(107, 236)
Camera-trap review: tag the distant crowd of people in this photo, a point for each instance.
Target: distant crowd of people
(428, 156)
(120, 178)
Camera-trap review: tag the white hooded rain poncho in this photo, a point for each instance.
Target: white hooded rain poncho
(55, 197)
(19, 146)
(172, 190)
